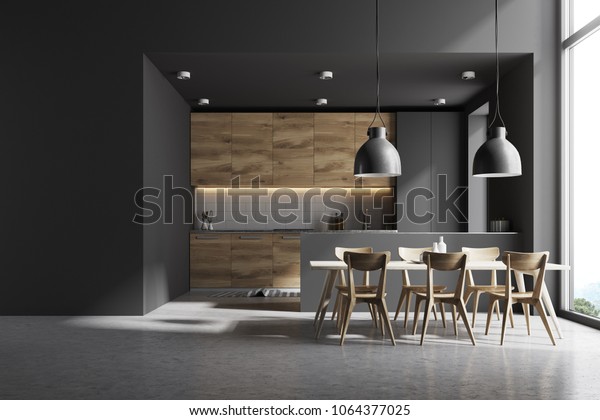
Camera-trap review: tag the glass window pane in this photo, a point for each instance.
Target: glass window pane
(583, 12)
(586, 155)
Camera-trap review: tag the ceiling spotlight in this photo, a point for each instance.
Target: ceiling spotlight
(439, 101)
(203, 101)
(468, 75)
(321, 101)
(326, 75)
(183, 75)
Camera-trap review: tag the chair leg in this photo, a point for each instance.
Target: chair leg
(512, 318)
(540, 309)
(489, 314)
(463, 312)
(428, 305)
(336, 307)
(349, 307)
(434, 313)
(400, 302)
(385, 319)
(475, 306)
(497, 306)
(443, 311)
(506, 309)
(417, 308)
(407, 309)
(527, 320)
(454, 320)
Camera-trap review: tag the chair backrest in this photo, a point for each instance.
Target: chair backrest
(410, 254)
(532, 263)
(339, 253)
(367, 262)
(482, 254)
(447, 261)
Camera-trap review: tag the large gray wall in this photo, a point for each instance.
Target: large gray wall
(71, 118)
(166, 153)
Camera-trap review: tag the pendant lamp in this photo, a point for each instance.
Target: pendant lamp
(377, 157)
(497, 157)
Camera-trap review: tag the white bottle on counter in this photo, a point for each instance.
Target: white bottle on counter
(441, 245)
(435, 248)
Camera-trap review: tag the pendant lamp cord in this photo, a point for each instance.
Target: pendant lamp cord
(378, 109)
(497, 112)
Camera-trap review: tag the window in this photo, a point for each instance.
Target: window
(582, 140)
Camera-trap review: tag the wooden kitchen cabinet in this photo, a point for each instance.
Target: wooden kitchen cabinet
(251, 260)
(210, 260)
(300, 149)
(334, 149)
(210, 149)
(252, 147)
(286, 260)
(293, 149)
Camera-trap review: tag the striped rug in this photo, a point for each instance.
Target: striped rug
(256, 293)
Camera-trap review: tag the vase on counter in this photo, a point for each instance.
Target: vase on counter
(435, 247)
(441, 245)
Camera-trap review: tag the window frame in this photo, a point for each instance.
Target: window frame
(569, 41)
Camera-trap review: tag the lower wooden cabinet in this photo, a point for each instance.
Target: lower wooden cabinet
(286, 260)
(223, 260)
(251, 260)
(210, 260)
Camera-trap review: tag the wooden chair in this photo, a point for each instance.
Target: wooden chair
(450, 261)
(351, 296)
(339, 253)
(533, 264)
(414, 254)
(475, 290)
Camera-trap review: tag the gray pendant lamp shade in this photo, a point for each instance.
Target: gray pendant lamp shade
(497, 157)
(377, 157)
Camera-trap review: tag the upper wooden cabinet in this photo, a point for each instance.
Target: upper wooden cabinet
(283, 149)
(334, 150)
(293, 149)
(210, 149)
(252, 147)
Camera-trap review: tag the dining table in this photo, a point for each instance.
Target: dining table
(334, 267)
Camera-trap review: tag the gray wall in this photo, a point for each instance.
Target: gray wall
(166, 152)
(71, 118)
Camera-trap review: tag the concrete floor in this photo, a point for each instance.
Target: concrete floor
(240, 348)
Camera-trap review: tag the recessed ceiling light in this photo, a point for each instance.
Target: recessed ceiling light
(439, 101)
(326, 75)
(321, 101)
(203, 101)
(468, 75)
(183, 75)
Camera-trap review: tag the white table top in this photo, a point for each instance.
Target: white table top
(408, 265)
